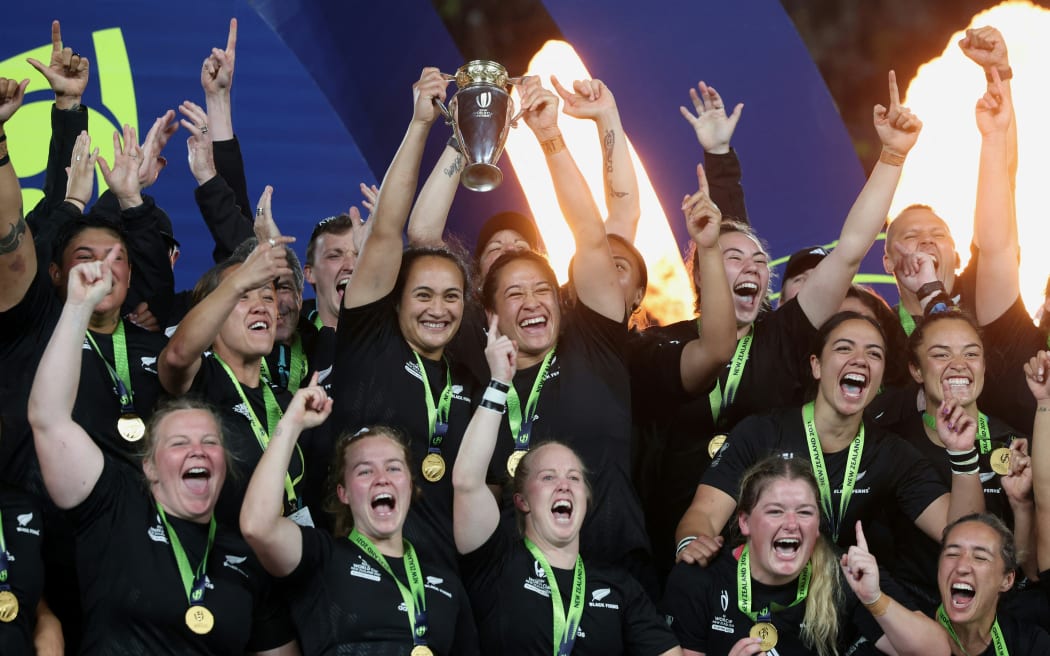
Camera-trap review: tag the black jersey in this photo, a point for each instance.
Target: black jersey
(377, 381)
(213, 384)
(133, 597)
(892, 473)
(701, 606)
(1009, 342)
(512, 604)
(344, 602)
(23, 526)
(1020, 637)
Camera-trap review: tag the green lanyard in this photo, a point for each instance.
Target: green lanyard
(317, 320)
(289, 378)
(437, 415)
(907, 321)
(721, 398)
(984, 436)
(414, 595)
(192, 582)
(743, 589)
(121, 375)
(262, 435)
(849, 480)
(521, 427)
(565, 624)
(997, 635)
(4, 558)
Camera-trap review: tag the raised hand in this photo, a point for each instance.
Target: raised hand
(80, 183)
(986, 47)
(264, 265)
(157, 137)
(431, 86)
(199, 145)
(89, 282)
(371, 195)
(588, 98)
(897, 127)
(701, 551)
(12, 92)
(66, 73)
(501, 353)
(265, 227)
(1037, 375)
(913, 269)
(994, 109)
(142, 317)
(309, 407)
(713, 127)
(123, 178)
(956, 429)
(217, 71)
(861, 569)
(539, 108)
(702, 216)
(1018, 481)
(360, 229)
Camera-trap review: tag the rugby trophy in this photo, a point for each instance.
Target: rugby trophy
(480, 115)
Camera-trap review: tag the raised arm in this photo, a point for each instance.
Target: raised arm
(703, 358)
(17, 255)
(426, 224)
(825, 288)
(699, 532)
(591, 99)
(69, 460)
(1037, 373)
(216, 80)
(1017, 484)
(987, 48)
(714, 130)
(594, 271)
(475, 513)
(377, 268)
(275, 539)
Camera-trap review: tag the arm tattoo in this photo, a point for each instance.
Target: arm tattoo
(11, 242)
(608, 141)
(455, 167)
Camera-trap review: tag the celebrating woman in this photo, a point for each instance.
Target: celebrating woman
(517, 586)
(783, 587)
(157, 575)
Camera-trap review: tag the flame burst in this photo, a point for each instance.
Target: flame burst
(669, 297)
(942, 168)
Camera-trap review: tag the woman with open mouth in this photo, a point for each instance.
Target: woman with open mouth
(366, 588)
(860, 469)
(518, 586)
(783, 588)
(157, 572)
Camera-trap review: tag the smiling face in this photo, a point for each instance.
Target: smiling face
(950, 354)
(334, 257)
(377, 487)
(971, 573)
(553, 498)
(187, 467)
(850, 367)
(90, 245)
(289, 303)
(249, 330)
(526, 300)
(747, 269)
(502, 241)
(782, 530)
(918, 228)
(431, 305)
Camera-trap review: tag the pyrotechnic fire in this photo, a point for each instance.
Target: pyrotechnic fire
(942, 168)
(669, 297)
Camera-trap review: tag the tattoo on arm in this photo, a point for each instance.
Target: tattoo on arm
(608, 141)
(455, 167)
(10, 242)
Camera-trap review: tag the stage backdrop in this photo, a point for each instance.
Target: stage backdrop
(322, 94)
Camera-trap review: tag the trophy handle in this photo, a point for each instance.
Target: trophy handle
(449, 120)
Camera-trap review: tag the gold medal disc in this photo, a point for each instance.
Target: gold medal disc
(767, 633)
(433, 467)
(513, 460)
(8, 606)
(131, 427)
(421, 650)
(200, 620)
(715, 444)
(1000, 459)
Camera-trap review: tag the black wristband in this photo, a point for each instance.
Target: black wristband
(963, 463)
(3, 138)
(495, 407)
(5, 160)
(938, 303)
(496, 385)
(454, 142)
(929, 288)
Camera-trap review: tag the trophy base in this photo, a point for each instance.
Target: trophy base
(481, 177)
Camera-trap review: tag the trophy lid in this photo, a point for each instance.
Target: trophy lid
(482, 71)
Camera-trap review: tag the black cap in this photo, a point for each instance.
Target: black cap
(804, 260)
(519, 223)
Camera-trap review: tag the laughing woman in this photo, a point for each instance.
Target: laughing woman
(517, 586)
(783, 587)
(156, 573)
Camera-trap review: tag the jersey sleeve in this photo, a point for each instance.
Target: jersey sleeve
(745, 446)
(316, 550)
(645, 632)
(915, 483)
(685, 606)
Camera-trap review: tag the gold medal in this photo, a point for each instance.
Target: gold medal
(715, 444)
(200, 620)
(131, 427)
(421, 650)
(1000, 459)
(8, 606)
(513, 460)
(767, 633)
(433, 467)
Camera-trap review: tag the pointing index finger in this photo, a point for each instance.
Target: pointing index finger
(56, 36)
(493, 329)
(862, 543)
(231, 40)
(701, 178)
(895, 96)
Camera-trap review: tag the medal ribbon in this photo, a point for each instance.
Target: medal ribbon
(121, 376)
(288, 379)
(721, 398)
(414, 595)
(907, 322)
(437, 416)
(743, 589)
(997, 635)
(262, 435)
(849, 480)
(4, 560)
(565, 624)
(521, 427)
(192, 582)
(984, 435)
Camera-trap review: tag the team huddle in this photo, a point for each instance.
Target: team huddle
(448, 452)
